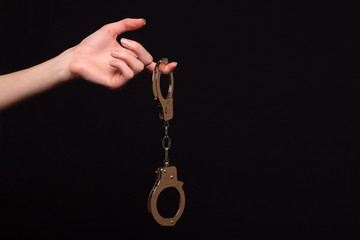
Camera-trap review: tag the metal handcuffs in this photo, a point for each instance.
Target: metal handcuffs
(167, 175)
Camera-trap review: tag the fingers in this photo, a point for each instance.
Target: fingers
(164, 69)
(128, 66)
(136, 48)
(126, 73)
(134, 64)
(128, 24)
(143, 55)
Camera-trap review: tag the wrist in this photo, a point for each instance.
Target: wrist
(62, 64)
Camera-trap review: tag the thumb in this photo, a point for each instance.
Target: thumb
(164, 69)
(128, 24)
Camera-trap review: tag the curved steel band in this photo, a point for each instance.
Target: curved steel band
(165, 104)
(167, 177)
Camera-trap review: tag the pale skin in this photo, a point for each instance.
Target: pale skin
(99, 58)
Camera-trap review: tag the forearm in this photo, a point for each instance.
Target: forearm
(23, 84)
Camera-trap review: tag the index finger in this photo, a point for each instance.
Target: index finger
(143, 55)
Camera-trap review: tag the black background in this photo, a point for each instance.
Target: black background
(265, 135)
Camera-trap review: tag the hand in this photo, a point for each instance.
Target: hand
(99, 58)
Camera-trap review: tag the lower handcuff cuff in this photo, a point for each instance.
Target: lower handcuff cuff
(166, 175)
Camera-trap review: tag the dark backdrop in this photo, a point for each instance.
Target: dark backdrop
(265, 134)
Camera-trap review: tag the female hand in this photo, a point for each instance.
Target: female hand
(99, 58)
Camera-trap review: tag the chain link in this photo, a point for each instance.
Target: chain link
(166, 143)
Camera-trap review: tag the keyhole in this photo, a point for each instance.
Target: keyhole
(168, 202)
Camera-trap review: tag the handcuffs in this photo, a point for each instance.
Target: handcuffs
(166, 176)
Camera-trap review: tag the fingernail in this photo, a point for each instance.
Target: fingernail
(144, 21)
(124, 41)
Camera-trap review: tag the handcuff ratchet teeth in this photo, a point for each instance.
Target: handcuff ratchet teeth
(166, 175)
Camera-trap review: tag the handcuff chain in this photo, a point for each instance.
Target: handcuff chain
(166, 143)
